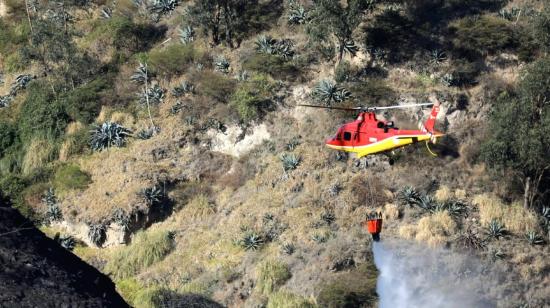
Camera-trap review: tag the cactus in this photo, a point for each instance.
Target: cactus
(251, 241)
(290, 161)
(107, 135)
(288, 248)
(533, 238)
(222, 64)
(97, 234)
(329, 93)
(155, 94)
(186, 34)
(496, 229)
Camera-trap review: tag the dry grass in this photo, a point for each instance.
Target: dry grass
(200, 207)
(434, 229)
(515, 218)
(443, 194)
(391, 211)
(38, 153)
(271, 275)
(285, 299)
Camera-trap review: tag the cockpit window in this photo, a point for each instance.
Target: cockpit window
(347, 136)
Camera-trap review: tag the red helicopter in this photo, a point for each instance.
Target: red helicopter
(367, 135)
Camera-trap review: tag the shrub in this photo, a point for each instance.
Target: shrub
(69, 177)
(15, 63)
(273, 65)
(343, 72)
(146, 249)
(486, 34)
(517, 219)
(253, 97)
(97, 234)
(172, 60)
(271, 275)
(285, 299)
(38, 152)
(215, 85)
(354, 289)
(152, 195)
(8, 137)
(200, 207)
(83, 103)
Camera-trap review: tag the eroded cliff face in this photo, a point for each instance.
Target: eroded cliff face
(37, 272)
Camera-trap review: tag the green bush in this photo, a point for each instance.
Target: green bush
(125, 35)
(69, 177)
(373, 91)
(215, 85)
(354, 289)
(252, 97)
(8, 137)
(146, 249)
(486, 34)
(271, 275)
(542, 28)
(284, 299)
(41, 114)
(173, 59)
(271, 64)
(15, 63)
(83, 103)
(343, 72)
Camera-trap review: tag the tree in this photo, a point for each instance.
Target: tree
(520, 132)
(336, 20)
(221, 19)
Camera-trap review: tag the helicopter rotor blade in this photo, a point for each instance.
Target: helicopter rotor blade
(399, 106)
(329, 107)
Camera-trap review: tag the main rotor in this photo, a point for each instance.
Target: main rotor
(368, 109)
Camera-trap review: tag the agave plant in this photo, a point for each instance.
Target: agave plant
(163, 7)
(329, 93)
(288, 248)
(455, 208)
(59, 16)
(265, 44)
(534, 238)
(408, 195)
(496, 254)
(427, 202)
(176, 108)
(510, 14)
(328, 217)
(284, 48)
(121, 218)
(53, 212)
(154, 94)
(141, 75)
(152, 195)
(268, 217)
(448, 79)
(183, 88)
(106, 12)
(437, 57)
(496, 229)
(349, 47)
(290, 161)
(20, 83)
(320, 237)
(251, 241)
(147, 133)
(297, 15)
(469, 239)
(5, 101)
(186, 34)
(222, 64)
(292, 144)
(97, 234)
(66, 241)
(107, 135)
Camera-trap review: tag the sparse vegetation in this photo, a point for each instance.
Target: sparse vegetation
(271, 275)
(107, 135)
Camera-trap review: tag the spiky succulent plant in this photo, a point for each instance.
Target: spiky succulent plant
(186, 34)
(106, 12)
(21, 82)
(268, 217)
(534, 238)
(284, 48)
(496, 229)
(265, 44)
(408, 195)
(222, 64)
(288, 248)
(66, 241)
(185, 87)
(320, 237)
(427, 203)
(292, 144)
(251, 241)
(53, 212)
(97, 234)
(5, 101)
(147, 133)
(297, 14)
(329, 93)
(176, 108)
(437, 57)
(448, 79)
(155, 94)
(152, 195)
(290, 161)
(455, 208)
(141, 74)
(107, 135)
(349, 47)
(121, 218)
(328, 217)
(163, 7)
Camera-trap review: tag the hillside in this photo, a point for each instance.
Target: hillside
(163, 140)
